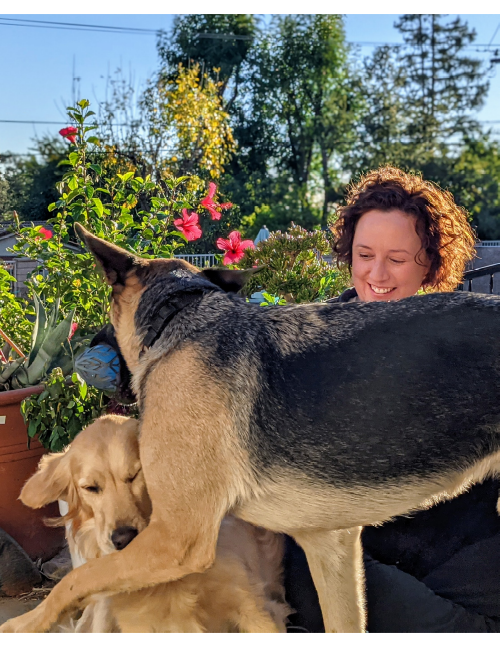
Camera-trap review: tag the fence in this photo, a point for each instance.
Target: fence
(488, 270)
(199, 260)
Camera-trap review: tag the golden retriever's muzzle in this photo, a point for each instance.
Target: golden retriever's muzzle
(122, 536)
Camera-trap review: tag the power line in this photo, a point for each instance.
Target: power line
(62, 123)
(74, 26)
(402, 44)
(21, 121)
(54, 24)
(495, 33)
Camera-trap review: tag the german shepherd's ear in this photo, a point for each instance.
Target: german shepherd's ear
(115, 261)
(230, 280)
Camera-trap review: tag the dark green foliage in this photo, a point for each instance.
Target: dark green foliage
(28, 184)
(62, 410)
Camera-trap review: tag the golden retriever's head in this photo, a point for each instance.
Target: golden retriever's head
(100, 477)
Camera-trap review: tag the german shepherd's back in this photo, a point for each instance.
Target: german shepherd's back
(353, 397)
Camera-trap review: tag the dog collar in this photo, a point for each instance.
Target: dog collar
(165, 314)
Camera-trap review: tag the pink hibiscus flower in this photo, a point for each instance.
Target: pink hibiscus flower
(44, 233)
(74, 327)
(188, 224)
(234, 247)
(212, 206)
(69, 133)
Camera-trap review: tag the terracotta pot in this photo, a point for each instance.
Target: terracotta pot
(17, 464)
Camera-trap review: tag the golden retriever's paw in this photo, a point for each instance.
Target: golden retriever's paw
(10, 627)
(27, 623)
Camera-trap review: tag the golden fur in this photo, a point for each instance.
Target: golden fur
(242, 591)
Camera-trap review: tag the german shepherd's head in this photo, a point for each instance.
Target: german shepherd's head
(130, 276)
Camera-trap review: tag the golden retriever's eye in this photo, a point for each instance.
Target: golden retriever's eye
(132, 478)
(92, 488)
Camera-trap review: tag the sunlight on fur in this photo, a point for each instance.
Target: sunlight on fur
(101, 479)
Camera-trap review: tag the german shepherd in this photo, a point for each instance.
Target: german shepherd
(312, 420)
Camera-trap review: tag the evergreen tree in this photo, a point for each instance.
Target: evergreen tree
(444, 86)
(27, 184)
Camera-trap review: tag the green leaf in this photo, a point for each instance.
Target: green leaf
(97, 168)
(94, 140)
(98, 207)
(125, 176)
(83, 390)
(32, 427)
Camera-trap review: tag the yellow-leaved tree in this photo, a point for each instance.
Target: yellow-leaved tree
(188, 130)
(177, 127)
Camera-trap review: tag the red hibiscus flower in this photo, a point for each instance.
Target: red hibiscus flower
(235, 247)
(69, 133)
(44, 233)
(211, 206)
(74, 327)
(188, 224)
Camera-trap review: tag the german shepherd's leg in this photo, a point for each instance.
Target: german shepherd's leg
(153, 557)
(336, 562)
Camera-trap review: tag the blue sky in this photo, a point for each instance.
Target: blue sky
(37, 65)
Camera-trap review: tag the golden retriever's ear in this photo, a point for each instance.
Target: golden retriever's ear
(51, 481)
(117, 263)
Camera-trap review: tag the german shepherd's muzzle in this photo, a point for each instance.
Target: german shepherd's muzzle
(313, 420)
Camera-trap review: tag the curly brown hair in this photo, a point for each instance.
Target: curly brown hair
(442, 226)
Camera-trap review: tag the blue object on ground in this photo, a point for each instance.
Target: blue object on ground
(100, 367)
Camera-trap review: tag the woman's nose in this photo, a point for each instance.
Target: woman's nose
(379, 271)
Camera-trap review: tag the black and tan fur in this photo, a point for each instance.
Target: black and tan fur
(312, 420)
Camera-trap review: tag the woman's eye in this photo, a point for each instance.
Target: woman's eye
(365, 256)
(397, 261)
(92, 488)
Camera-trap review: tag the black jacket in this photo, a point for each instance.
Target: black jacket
(436, 570)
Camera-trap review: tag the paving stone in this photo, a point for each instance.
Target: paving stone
(12, 607)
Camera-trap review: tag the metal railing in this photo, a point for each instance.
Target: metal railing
(199, 260)
(488, 270)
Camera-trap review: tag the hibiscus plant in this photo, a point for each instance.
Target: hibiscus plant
(112, 200)
(150, 219)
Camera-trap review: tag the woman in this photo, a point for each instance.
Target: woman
(439, 569)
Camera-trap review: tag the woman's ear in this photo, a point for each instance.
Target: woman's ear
(50, 483)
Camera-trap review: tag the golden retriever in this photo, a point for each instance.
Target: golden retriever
(100, 478)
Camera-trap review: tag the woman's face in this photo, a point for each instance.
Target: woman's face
(384, 248)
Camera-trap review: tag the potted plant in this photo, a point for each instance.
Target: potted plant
(21, 376)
